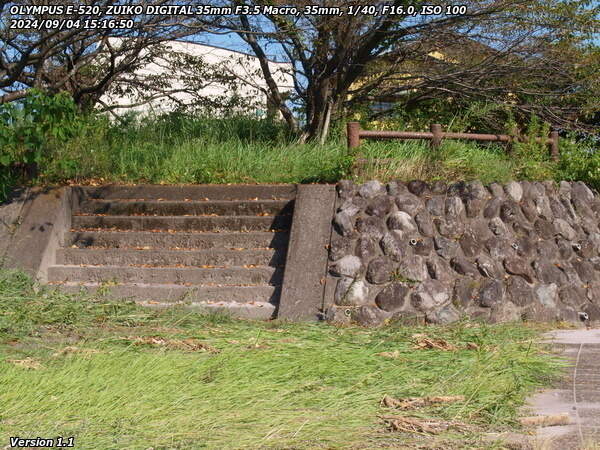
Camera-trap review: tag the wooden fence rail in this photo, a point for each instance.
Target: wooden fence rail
(436, 135)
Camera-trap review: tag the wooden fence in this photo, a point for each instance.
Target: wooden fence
(436, 135)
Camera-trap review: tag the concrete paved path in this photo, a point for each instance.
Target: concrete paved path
(578, 394)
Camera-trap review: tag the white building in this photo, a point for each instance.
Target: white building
(196, 82)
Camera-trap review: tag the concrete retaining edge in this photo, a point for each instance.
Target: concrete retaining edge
(307, 258)
(44, 218)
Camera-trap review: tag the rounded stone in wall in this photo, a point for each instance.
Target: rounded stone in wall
(547, 272)
(348, 266)
(492, 208)
(565, 249)
(519, 291)
(514, 191)
(446, 248)
(469, 243)
(569, 314)
(413, 268)
(439, 187)
(558, 210)
(542, 205)
(338, 315)
(369, 316)
(380, 206)
(571, 274)
(496, 190)
(379, 271)
(498, 227)
(580, 192)
(547, 250)
(443, 316)
(529, 209)
(464, 267)
(409, 203)
(500, 248)
(593, 312)
(396, 188)
(351, 292)
(525, 247)
(547, 295)
(346, 189)
(349, 208)
(421, 246)
(465, 292)
(583, 210)
(593, 292)
(366, 248)
(589, 226)
(564, 189)
(454, 209)
(537, 312)
(450, 228)
(510, 212)
(571, 214)
(393, 297)
(585, 270)
(490, 293)
(489, 267)
(519, 267)
(564, 230)
(505, 312)
(394, 246)
(340, 248)
(402, 221)
(544, 228)
(429, 295)
(371, 189)
(435, 206)
(574, 296)
(371, 227)
(344, 224)
(418, 188)
(439, 269)
(424, 223)
(359, 202)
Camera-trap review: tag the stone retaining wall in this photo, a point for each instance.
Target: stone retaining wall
(435, 253)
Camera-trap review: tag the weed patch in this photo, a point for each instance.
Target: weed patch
(270, 384)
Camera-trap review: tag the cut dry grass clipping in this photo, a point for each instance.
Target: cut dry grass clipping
(425, 426)
(271, 385)
(27, 363)
(188, 345)
(424, 342)
(419, 402)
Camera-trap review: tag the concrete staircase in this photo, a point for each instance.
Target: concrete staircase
(208, 247)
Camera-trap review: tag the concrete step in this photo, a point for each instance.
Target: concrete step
(197, 258)
(231, 276)
(191, 192)
(179, 223)
(186, 208)
(173, 293)
(181, 240)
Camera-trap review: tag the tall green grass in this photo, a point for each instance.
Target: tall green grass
(178, 148)
(272, 385)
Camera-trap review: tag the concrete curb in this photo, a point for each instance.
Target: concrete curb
(10, 217)
(306, 265)
(46, 216)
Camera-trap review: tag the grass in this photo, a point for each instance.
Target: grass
(71, 366)
(184, 149)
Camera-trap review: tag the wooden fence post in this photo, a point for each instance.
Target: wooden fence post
(436, 130)
(353, 130)
(554, 150)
